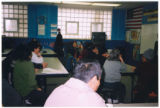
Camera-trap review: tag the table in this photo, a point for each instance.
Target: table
(6, 52)
(3, 58)
(131, 74)
(54, 69)
(135, 105)
(46, 52)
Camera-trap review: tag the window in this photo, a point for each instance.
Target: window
(72, 28)
(97, 27)
(10, 25)
(14, 20)
(87, 20)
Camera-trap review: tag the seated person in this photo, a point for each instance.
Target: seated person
(24, 78)
(80, 90)
(113, 67)
(147, 83)
(37, 59)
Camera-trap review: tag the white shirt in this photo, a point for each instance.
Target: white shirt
(74, 93)
(36, 59)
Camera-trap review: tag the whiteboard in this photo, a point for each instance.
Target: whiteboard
(148, 37)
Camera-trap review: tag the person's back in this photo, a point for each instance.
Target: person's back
(80, 89)
(24, 77)
(74, 93)
(112, 71)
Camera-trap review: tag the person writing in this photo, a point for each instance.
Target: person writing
(37, 59)
(79, 90)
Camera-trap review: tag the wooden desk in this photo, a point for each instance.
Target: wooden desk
(55, 64)
(46, 52)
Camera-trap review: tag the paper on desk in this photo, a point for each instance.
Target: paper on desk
(51, 71)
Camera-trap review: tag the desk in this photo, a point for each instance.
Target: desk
(46, 52)
(131, 74)
(6, 52)
(53, 63)
(136, 105)
(3, 58)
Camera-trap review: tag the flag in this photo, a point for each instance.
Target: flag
(134, 18)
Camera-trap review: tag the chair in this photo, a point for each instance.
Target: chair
(108, 94)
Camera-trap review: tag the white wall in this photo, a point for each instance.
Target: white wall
(148, 37)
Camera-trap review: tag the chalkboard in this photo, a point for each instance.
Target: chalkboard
(148, 37)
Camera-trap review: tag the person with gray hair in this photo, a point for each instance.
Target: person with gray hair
(79, 90)
(113, 67)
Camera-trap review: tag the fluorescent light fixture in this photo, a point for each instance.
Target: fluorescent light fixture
(78, 3)
(87, 3)
(104, 4)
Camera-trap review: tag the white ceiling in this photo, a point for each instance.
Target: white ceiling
(127, 5)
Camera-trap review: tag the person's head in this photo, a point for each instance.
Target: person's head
(93, 48)
(88, 71)
(75, 44)
(22, 52)
(58, 30)
(37, 48)
(148, 55)
(114, 55)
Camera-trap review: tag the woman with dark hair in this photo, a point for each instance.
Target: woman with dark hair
(113, 67)
(24, 77)
(93, 53)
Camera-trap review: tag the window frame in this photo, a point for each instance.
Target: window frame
(66, 29)
(15, 26)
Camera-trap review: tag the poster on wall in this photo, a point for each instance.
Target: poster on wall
(41, 29)
(134, 37)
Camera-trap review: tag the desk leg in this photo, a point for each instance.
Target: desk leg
(45, 84)
(132, 86)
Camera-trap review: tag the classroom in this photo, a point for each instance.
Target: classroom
(44, 42)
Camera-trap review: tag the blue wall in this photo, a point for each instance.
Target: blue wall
(118, 24)
(150, 9)
(50, 12)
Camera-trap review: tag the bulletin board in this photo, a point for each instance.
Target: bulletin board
(148, 36)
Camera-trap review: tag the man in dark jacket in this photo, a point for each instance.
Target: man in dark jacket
(59, 45)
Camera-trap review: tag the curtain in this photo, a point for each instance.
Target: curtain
(118, 24)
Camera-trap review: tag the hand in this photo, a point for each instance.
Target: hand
(133, 68)
(44, 64)
(35, 70)
(105, 55)
(121, 59)
(39, 55)
(39, 89)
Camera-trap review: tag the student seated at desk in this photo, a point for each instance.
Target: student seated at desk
(80, 90)
(37, 59)
(24, 78)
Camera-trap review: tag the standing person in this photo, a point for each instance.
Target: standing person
(24, 78)
(80, 90)
(59, 45)
(147, 83)
(113, 67)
